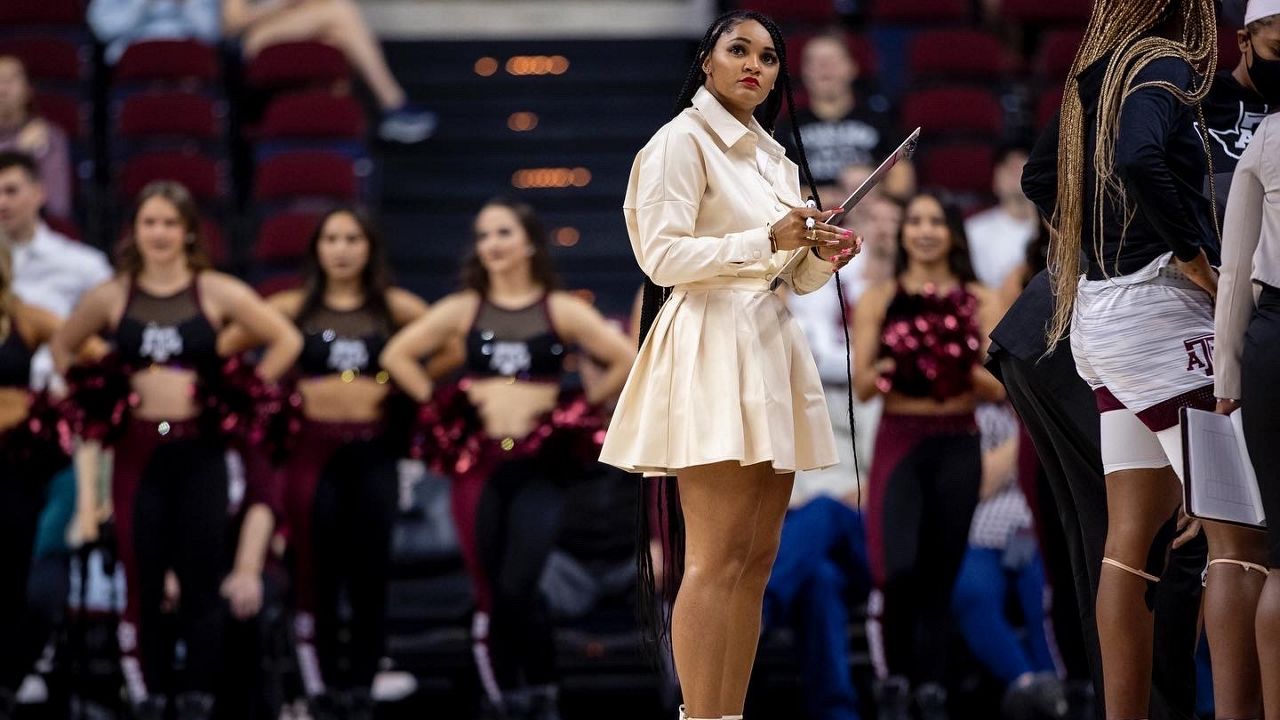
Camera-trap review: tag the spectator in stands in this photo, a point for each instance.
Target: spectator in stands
(1002, 555)
(50, 271)
(918, 338)
(120, 23)
(510, 457)
(820, 574)
(259, 23)
(998, 236)
(836, 129)
(23, 130)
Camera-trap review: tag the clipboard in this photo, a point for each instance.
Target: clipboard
(1218, 478)
(904, 152)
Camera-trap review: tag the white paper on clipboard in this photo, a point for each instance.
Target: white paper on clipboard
(1218, 477)
(904, 152)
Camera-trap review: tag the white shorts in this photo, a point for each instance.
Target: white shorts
(1144, 343)
(1127, 444)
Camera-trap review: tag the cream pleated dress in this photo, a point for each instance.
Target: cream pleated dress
(725, 374)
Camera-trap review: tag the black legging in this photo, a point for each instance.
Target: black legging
(923, 491)
(21, 497)
(1260, 403)
(181, 523)
(352, 517)
(517, 525)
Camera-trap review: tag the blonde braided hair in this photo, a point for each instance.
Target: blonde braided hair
(1125, 27)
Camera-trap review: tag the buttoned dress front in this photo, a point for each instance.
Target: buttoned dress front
(725, 373)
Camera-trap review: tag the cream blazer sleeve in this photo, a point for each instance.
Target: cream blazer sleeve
(667, 201)
(1242, 230)
(664, 197)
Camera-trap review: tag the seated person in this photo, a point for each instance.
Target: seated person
(23, 130)
(1003, 555)
(820, 573)
(120, 23)
(339, 23)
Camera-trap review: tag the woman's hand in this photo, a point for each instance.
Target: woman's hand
(790, 232)
(243, 591)
(1226, 407)
(1201, 273)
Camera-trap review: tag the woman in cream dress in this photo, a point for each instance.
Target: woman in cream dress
(724, 394)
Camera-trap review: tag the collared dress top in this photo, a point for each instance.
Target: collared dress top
(725, 373)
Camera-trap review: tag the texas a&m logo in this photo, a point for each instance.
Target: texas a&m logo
(1200, 354)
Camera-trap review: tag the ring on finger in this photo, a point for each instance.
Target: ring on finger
(811, 235)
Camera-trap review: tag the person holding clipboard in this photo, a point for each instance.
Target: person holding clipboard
(1247, 322)
(724, 394)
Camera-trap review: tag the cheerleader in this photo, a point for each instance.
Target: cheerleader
(170, 494)
(340, 480)
(505, 433)
(30, 452)
(918, 340)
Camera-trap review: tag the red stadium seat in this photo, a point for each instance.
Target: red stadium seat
(285, 236)
(921, 12)
(42, 12)
(167, 61)
(1057, 53)
(306, 173)
(215, 242)
(313, 114)
(170, 113)
(64, 226)
(278, 284)
(1048, 104)
(1228, 49)
(956, 54)
(953, 110)
(959, 168)
(200, 173)
(295, 64)
(47, 58)
(1075, 12)
(785, 12)
(63, 110)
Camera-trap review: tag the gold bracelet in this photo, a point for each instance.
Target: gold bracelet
(773, 240)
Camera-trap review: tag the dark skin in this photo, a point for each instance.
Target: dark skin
(742, 69)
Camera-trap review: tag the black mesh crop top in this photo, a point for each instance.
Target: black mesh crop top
(347, 342)
(520, 344)
(171, 330)
(15, 360)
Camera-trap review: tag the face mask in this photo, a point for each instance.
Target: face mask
(1265, 75)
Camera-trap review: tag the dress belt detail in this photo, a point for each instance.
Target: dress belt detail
(757, 284)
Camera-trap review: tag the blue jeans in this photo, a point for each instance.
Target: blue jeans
(978, 603)
(821, 567)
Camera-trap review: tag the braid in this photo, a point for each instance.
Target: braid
(1123, 28)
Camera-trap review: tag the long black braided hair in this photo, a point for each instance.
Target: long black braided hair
(659, 512)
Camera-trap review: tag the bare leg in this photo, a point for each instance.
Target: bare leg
(1138, 503)
(1268, 640)
(1230, 604)
(338, 23)
(720, 503)
(748, 598)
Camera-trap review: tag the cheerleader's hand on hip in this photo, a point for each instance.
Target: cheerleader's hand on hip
(792, 232)
(1201, 273)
